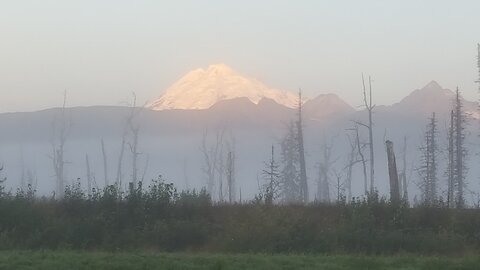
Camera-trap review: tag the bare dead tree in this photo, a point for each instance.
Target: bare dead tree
(478, 66)
(118, 181)
(23, 182)
(303, 170)
(2, 182)
(403, 176)
(451, 162)
(220, 168)
(272, 175)
(360, 147)
(339, 185)
(129, 129)
(209, 164)
(393, 174)
(133, 144)
(324, 168)
(58, 148)
(428, 168)
(134, 151)
(145, 168)
(212, 154)
(460, 150)
(185, 174)
(89, 176)
(352, 154)
(105, 164)
(240, 195)
(370, 106)
(355, 155)
(230, 170)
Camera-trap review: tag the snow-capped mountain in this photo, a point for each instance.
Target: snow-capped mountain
(171, 138)
(202, 88)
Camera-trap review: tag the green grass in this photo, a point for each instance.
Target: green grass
(99, 260)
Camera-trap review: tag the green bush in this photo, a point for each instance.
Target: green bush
(157, 217)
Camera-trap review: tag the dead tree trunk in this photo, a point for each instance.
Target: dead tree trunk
(339, 186)
(478, 65)
(212, 162)
(404, 171)
(89, 176)
(351, 161)
(362, 159)
(231, 176)
(392, 172)
(271, 175)
(451, 165)
(145, 168)
(58, 150)
(208, 166)
(369, 107)
(460, 150)
(134, 150)
(23, 183)
(220, 162)
(433, 163)
(185, 174)
(118, 182)
(2, 181)
(105, 168)
(324, 166)
(133, 144)
(428, 170)
(129, 126)
(303, 170)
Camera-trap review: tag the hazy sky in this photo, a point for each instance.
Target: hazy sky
(101, 51)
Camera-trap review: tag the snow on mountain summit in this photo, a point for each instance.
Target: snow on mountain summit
(202, 88)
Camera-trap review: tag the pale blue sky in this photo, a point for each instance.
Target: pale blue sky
(100, 51)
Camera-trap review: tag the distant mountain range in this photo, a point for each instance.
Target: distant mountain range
(204, 101)
(433, 98)
(203, 88)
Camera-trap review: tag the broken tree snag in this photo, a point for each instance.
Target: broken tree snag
(392, 172)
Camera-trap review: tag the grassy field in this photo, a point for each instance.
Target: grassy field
(99, 260)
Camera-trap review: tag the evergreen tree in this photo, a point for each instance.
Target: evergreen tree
(290, 173)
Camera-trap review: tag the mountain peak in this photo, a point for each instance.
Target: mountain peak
(219, 69)
(202, 88)
(430, 91)
(432, 85)
(325, 105)
(431, 98)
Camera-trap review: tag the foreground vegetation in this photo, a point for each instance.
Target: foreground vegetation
(157, 218)
(89, 260)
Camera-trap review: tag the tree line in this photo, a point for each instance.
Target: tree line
(158, 217)
(284, 177)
